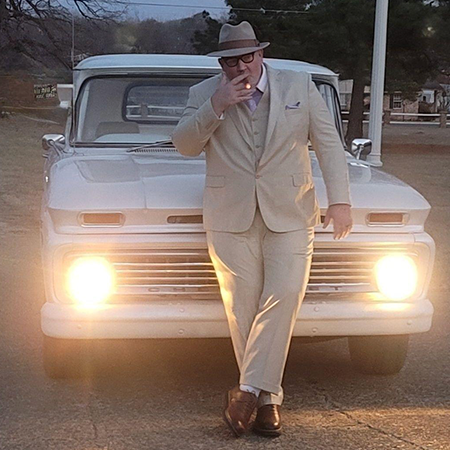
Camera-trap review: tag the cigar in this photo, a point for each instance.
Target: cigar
(248, 86)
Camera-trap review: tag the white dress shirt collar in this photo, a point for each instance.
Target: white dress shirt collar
(262, 83)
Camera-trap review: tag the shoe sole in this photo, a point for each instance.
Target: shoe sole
(227, 418)
(269, 433)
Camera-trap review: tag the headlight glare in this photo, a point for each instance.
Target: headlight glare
(90, 280)
(396, 276)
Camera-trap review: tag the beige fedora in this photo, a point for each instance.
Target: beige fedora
(235, 40)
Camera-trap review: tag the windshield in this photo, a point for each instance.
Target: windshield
(331, 98)
(121, 110)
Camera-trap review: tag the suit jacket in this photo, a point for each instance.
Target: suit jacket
(282, 184)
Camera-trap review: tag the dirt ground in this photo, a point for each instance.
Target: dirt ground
(175, 400)
(425, 137)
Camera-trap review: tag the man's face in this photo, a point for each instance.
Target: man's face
(252, 69)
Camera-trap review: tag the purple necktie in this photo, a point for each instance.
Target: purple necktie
(253, 102)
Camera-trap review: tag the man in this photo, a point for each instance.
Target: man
(260, 208)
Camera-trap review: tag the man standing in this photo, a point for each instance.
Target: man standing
(260, 208)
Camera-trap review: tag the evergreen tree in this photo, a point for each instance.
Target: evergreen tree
(339, 34)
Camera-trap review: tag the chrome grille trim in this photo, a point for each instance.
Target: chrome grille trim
(182, 274)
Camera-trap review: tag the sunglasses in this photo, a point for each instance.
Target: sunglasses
(233, 62)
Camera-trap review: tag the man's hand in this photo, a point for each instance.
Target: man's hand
(230, 92)
(341, 216)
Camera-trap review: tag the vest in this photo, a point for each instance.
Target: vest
(255, 124)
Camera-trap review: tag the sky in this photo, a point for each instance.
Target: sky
(172, 9)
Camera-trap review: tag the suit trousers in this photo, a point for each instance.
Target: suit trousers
(263, 277)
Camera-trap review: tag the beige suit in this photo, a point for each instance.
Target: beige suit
(260, 210)
(282, 182)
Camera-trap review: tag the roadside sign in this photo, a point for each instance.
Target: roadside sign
(45, 91)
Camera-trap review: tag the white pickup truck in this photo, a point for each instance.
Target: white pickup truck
(124, 249)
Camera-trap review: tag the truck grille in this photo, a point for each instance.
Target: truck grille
(182, 274)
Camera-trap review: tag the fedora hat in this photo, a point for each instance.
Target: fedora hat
(236, 40)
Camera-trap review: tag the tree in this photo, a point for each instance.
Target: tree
(173, 36)
(207, 39)
(345, 42)
(37, 29)
(439, 34)
(339, 34)
(277, 27)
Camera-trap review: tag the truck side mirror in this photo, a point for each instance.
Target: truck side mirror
(50, 141)
(361, 148)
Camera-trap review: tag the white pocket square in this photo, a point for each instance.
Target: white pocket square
(294, 106)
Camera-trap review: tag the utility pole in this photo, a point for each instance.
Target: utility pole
(377, 84)
(72, 52)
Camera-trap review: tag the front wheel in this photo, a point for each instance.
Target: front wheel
(378, 355)
(67, 358)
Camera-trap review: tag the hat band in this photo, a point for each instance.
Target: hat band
(241, 43)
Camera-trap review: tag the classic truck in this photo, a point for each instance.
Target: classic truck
(124, 250)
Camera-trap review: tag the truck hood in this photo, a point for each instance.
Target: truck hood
(149, 188)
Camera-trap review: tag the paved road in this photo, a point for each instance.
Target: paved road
(151, 396)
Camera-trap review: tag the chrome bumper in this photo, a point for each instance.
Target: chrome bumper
(206, 319)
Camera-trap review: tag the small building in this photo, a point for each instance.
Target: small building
(397, 104)
(434, 96)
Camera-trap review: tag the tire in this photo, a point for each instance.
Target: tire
(67, 358)
(378, 355)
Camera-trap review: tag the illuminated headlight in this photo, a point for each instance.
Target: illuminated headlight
(396, 276)
(90, 280)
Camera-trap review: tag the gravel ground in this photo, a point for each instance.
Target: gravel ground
(169, 395)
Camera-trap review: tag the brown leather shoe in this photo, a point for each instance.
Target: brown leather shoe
(239, 406)
(268, 421)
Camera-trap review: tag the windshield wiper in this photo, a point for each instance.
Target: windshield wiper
(151, 145)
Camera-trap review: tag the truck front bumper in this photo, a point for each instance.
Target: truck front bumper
(207, 319)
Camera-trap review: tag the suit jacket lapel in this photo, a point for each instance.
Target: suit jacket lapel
(276, 113)
(275, 107)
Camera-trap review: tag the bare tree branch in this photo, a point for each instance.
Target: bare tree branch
(44, 26)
